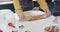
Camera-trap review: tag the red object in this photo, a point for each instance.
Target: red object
(51, 31)
(1, 31)
(11, 25)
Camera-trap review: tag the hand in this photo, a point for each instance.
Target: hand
(21, 16)
(48, 13)
(51, 29)
(36, 8)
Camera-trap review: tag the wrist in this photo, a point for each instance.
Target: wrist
(18, 10)
(46, 10)
(19, 13)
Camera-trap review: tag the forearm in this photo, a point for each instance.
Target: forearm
(17, 6)
(43, 4)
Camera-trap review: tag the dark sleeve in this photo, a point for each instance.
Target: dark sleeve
(48, 1)
(36, 4)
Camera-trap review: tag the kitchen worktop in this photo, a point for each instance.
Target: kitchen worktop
(7, 5)
(5, 2)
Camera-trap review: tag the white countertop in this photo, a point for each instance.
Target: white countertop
(34, 26)
(3, 3)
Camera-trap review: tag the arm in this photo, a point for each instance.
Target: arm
(43, 4)
(17, 6)
(18, 9)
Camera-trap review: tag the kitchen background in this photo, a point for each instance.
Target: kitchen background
(8, 4)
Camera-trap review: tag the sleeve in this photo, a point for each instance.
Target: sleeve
(43, 4)
(36, 4)
(17, 6)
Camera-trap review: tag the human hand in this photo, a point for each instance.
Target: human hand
(48, 13)
(21, 16)
(51, 29)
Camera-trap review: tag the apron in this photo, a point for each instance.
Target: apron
(56, 11)
(26, 4)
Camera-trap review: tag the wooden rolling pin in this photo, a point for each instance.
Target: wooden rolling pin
(32, 18)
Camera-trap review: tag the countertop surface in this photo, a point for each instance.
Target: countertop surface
(3, 3)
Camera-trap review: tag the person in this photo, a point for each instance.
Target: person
(56, 9)
(25, 5)
(48, 1)
(56, 13)
(36, 5)
(50, 5)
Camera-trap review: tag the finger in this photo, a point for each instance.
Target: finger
(22, 18)
(47, 13)
(55, 29)
(50, 28)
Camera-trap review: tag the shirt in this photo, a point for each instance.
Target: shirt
(43, 5)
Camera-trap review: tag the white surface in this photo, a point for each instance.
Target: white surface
(6, 16)
(34, 0)
(36, 26)
(52, 0)
(6, 2)
(58, 22)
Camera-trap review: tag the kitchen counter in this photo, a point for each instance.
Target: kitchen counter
(3, 3)
(7, 5)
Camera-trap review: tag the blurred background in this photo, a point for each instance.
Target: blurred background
(8, 4)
